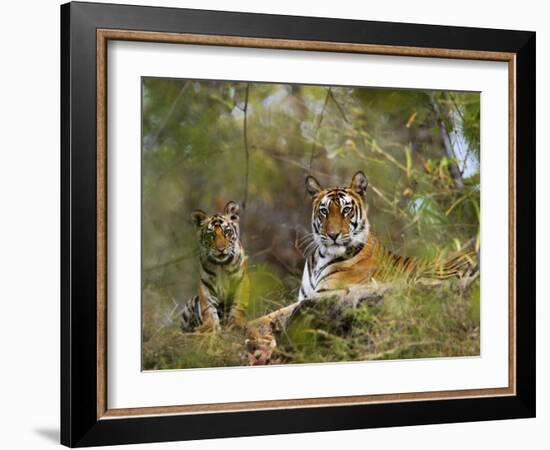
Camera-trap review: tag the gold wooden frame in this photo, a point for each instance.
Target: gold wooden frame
(103, 36)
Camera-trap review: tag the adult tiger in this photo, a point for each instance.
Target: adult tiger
(224, 287)
(345, 252)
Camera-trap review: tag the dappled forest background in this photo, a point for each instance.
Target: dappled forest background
(207, 142)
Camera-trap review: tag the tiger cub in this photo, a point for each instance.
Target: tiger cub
(345, 252)
(224, 286)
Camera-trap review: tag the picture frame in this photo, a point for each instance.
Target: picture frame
(86, 29)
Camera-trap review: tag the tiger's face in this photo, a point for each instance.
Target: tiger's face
(339, 216)
(218, 234)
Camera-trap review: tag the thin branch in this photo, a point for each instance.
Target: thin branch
(466, 156)
(246, 152)
(166, 120)
(168, 319)
(340, 110)
(319, 121)
(301, 166)
(457, 108)
(453, 167)
(453, 99)
(168, 263)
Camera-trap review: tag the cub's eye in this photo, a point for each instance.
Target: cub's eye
(346, 210)
(323, 211)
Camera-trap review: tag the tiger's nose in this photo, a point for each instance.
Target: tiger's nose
(333, 235)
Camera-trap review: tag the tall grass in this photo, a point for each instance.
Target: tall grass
(411, 322)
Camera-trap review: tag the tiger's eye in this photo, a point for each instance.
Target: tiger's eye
(346, 210)
(323, 211)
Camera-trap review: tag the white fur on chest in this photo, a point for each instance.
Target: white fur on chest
(310, 283)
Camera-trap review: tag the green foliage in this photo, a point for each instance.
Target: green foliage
(266, 290)
(412, 322)
(194, 156)
(172, 349)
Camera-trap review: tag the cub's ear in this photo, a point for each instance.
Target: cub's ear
(198, 217)
(313, 186)
(231, 210)
(359, 183)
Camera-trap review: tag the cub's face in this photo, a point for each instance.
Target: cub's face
(339, 215)
(218, 234)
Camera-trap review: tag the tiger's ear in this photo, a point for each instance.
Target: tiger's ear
(231, 210)
(359, 183)
(198, 217)
(313, 186)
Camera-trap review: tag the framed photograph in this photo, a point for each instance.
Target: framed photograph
(276, 224)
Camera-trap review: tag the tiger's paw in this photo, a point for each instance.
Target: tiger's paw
(208, 328)
(259, 350)
(236, 323)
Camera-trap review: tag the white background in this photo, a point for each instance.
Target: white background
(128, 387)
(29, 225)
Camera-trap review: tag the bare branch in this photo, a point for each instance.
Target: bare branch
(455, 104)
(169, 262)
(340, 110)
(152, 140)
(246, 152)
(319, 121)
